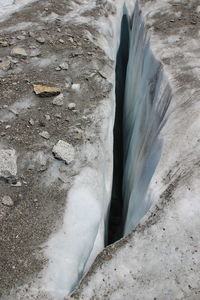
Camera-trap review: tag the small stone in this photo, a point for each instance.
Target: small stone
(35, 200)
(61, 41)
(102, 74)
(47, 117)
(13, 111)
(21, 37)
(45, 91)
(7, 201)
(8, 163)
(18, 52)
(59, 116)
(76, 86)
(7, 126)
(58, 100)
(31, 121)
(5, 65)
(4, 43)
(18, 184)
(58, 69)
(71, 106)
(40, 40)
(45, 135)
(35, 53)
(64, 151)
(64, 66)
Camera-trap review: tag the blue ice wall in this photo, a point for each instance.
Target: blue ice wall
(147, 97)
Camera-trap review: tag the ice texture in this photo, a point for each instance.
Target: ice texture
(147, 97)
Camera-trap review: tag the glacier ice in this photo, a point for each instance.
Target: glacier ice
(147, 97)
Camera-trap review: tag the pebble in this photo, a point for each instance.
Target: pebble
(58, 100)
(59, 116)
(4, 43)
(5, 65)
(72, 106)
(47, 117)
(40, 40)
(61, 41)
(45, 135)
(31, 121)
(45, 91)
(7, 201)
(21, 37)
(18, 52)
(35, 53)
(64, 151)
(76, 86)
(64, 66)
(8, 163)
(7, 126)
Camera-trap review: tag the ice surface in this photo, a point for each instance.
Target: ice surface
(7, 7)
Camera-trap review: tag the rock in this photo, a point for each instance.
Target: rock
(21, 37)
(8, 163)
(58, 100)
(40, 40)
(18, 52)
(35, 53)
(18, 184)
(61, 41)
(7, 201)
(59, 116)
(45, 91)
(76, 86)
(64, 151)
(64, 66)
(58, 69)
(45, 135)
(5, 65)
(31, 121)
(47, 117)
(13, 111)
(7, 126)
(71, 106)
(4, 43)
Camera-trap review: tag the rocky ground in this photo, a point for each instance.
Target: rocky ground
(51, 79)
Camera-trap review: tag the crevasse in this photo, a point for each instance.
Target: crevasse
(143, 98)
(146, 100)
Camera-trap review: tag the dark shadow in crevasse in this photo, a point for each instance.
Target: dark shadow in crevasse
(115, 223)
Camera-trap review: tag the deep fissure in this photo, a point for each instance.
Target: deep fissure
(115, 223)
(142, 99)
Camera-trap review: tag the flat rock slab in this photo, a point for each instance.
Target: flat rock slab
(19, 52)
(64, 151)
(8, 163)
(45, 91)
